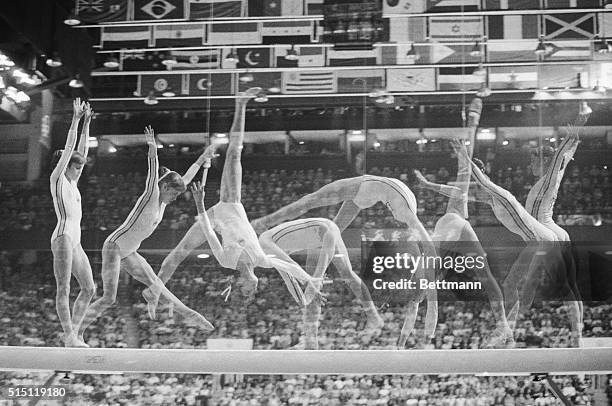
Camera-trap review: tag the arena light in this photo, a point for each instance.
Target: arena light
(54, 62)
(301, 142)
(505, 142)
(232, 57)
(72, 20)
(275, 88)
(169, 61)
(151, 100)
(5, 61)
(481, 71)
(247, 78)
(203, 256)
(541, 48)
(76, 82)
(376, 144)
(168, 93)
(292, 54)
(92, 142)
(476, 52)
(220, 135)
(111, 62)
(411, 54)
(112, 149)
(261, 97)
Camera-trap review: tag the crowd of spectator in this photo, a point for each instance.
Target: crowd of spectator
(585, 193)
(303, 390)
(272, 320)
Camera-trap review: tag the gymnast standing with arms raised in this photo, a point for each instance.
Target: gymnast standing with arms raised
(68, 254)
(120, 248)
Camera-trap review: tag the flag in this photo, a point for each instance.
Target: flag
(352, 58)
(568, 50)
(276, 8)
(561, 77)
(442, 6)
(459, 79)
(455, 28)
(398, 54)
(158, 9)
(265, 80)
(216, 8)
(253, 58)
(141, 61)
(559, 4)
(513, 77)
(235, 33)
(313, 7)
(159, 83)
(403, 6)
(102, 11)
(605, 75)
(179, 35)
(411, 80)
(511, 4)
(511, 51)
(215, 84)
(443, 53)
(126, 37)
(307, 56)
(272, 29)
(360, 81)
(402, 29)
(569, 26)
(512, 26)
(199, 59)
(308, 82)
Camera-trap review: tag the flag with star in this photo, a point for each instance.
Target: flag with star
(140, 61)
(455, 28)
(216, 84)
(276, 8)
(158, 9)
(253, 58)
(513, 77)
(102, 11)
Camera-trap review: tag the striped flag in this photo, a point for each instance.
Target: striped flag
(512, 26)
(307, 56)
(559, 4)
(160, 83)
(235, 33)
(568, 50)
(403, 6)
(561, 77)
(216, 8)
(126, 37)
(569, 26)
(458, 79)
(455, 28)
(309, 82)
(360, 81)
(179, 35)
(312, 7)
(511, 4)
(199, 59)
(514, 77)
(411, 80)
(215, 84)
(158, 9)
(352, 58)
(402, 29)
(287, 29)
(434, 6)
(511, 51)
(101, 11)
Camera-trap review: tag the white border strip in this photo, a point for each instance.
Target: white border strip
(494, 362)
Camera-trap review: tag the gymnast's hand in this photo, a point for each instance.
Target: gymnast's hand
(78, 108)
(88, 112)
(197, 190)
(459, 147)
(150, 136)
